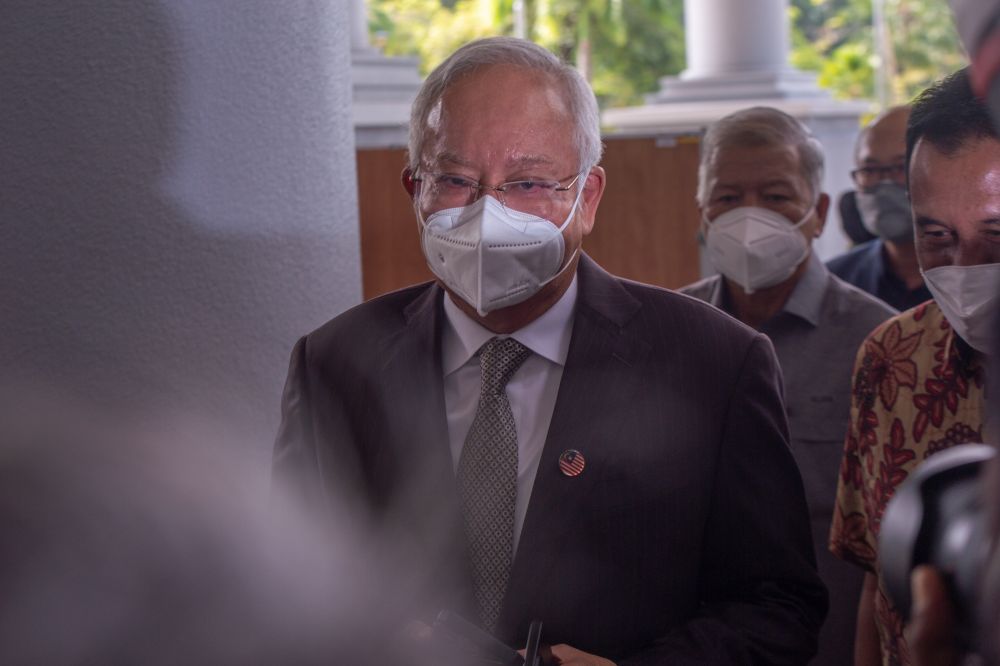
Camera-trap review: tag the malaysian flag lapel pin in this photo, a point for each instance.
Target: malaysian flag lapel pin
(571, 462)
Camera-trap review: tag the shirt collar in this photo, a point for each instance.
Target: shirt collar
(806, 299)
(547, 336)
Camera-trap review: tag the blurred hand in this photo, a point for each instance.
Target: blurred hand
(564, 655)
(931, 630)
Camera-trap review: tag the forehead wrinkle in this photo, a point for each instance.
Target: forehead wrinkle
(512, 162)
(521, 162)
(779, 182)
(453, 158)
(737, 183)
(899, 157)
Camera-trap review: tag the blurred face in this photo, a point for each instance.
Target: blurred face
(956, 204)
(763, 177)
(503, 124)
(882, 152)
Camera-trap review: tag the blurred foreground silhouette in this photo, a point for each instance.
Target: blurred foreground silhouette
(153, 547)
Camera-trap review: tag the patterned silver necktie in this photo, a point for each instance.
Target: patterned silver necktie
(487, 477)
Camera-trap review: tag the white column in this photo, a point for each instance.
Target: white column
(725, 37)
(737, 49)
(359, 26)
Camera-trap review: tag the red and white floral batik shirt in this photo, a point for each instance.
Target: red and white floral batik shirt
(917, 389)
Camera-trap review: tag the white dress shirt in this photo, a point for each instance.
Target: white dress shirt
(531, 391)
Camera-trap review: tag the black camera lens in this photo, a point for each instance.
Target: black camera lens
(937, 517)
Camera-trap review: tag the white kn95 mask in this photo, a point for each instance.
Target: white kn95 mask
(755, 247)
(969, 297)
(492, 256)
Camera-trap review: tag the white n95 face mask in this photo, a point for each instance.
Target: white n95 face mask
(885, 212)
(969, 297)
(755, 247)
(492, 256)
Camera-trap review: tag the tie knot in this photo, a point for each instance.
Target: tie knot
(499, 359)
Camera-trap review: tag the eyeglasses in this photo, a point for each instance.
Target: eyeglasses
(869, 176)
(450, 190)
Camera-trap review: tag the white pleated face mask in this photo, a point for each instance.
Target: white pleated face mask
(885, 212)
(755, 247)
(492, 256)
(969, 297)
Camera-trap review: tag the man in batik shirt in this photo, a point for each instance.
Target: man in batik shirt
(918, 378)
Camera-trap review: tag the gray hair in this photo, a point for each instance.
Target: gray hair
(761, 126)
(521, 53)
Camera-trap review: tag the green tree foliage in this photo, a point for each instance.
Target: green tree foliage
(622, 46)
(625, 46)
(835, 39)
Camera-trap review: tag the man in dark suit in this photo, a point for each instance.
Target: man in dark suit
(532, 437)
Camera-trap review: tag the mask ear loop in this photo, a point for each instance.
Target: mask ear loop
(812, 209)
(576, 202)
(569, 218)
(560, 228)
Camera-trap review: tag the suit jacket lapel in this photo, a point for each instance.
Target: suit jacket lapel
(414, 458)
(595, 381)
(413, 389)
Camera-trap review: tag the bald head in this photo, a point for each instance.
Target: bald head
(884, 138)
(880, 153)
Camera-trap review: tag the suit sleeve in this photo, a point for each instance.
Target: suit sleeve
(305, 470)
(762, 600)
(294, 469)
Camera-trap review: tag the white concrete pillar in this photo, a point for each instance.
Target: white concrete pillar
(359, 26)
(179, 201)
(737, 49)
(725, 37)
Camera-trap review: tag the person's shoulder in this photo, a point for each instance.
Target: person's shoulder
(686, 313)
(854, 259)
(850, 301)
(909, 325)
(374, 319)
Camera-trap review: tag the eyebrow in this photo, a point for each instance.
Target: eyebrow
(453, 158)
(720, 185)
(531, 160)
(925, 220)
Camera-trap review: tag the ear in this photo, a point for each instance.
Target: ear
(409, 184)
(822, 210)
(593, 190)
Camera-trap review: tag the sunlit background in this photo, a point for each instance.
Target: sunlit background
(882, 50)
